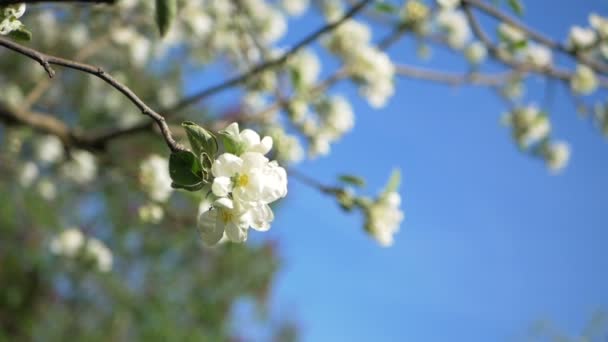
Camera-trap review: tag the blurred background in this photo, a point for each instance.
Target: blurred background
(493, 247)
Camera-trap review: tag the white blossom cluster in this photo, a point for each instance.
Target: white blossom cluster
(367, 65)
(529, 124)
(9, 18)
(82, 168)
(287, 147)
(72, 243)
(244, 185)
(155, 179)
(584, 81)
(531, 130)
(454, 24)
(384, 217)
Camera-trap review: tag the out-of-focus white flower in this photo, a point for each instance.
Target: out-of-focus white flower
(73, 243)
(29, 173)
(581, 38)
(68, 243)
(9, 16)
(287, 147)
(48, 149)
(584, 80)
(79, 34)
(599, 23)
(456, 26)
(476, 53)
(151, 213)
(47, 189)
(557, 156)
(336, 116)
(415, 12)
(100, 253)
(384, 217)
(538, 55)
(305, 66)
(529, 125)
(154, 176)
(295, 7)
(448, 4)
(82, 168)
(511, 34)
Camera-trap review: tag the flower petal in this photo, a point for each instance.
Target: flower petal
(235, 232)
(211, 228)
(221, 186)
(226, 165)
(261, 216)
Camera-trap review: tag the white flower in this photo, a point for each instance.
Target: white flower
(29, 173)
(557, 156)
(249, 140)
(100, 253)
(250, 178)
(584, 80)
(476, 52)
(448, 4)
(68, 243)
(305, 64)
(47, 189)
(538, 55)
(9, 16)
(581, 38)
(511, 34)
(456, 26)
(48, 149)
(295, 7)
(225, 217)
(151, 213)
(529, 124)
(154, 176)
(72, 243)
(287, 147)
(82, 168)
(336, 116)
(600, 24)
(384, 217)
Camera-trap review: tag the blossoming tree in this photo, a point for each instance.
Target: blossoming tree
(104, 139)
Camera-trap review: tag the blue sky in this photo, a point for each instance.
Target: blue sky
(491, 242)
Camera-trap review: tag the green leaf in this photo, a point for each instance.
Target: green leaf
(185, 169)
(385, 7)
(231, 143)
(516, 6)
(165, 13)
(393, 182)
(352, 180)
(201, 140)
(21, 34)
(206, 163)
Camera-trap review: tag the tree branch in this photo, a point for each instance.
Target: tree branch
(453, 79)
(114, 133)
(47, 60)
(538, 37)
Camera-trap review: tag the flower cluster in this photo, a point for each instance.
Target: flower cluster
(584, 81)
(9, 18)
(384, 217)
(530, 125)
(531, 130)
(72, 243)
(154, 176)
(367, 65)
(244, 183)
(82, 168)
(455, 25)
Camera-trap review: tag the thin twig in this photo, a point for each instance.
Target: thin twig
(47, 60)
(538, 37)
